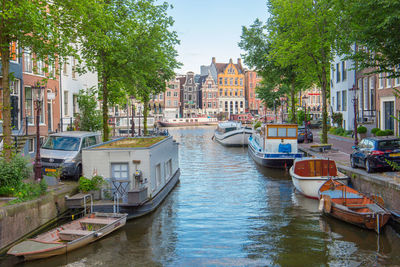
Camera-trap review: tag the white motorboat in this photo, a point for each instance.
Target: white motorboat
(309, 174)
(274, 145)
(232, 133)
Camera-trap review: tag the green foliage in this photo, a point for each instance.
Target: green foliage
(29, 191)
(56, 174)
(13, 173)
(332, 130)
(374, 130)
(337, 118)
(86, 185)
(257, 124)
(361, 129)
(388, 132)
(89, 117)
(393, 164)
(300, 117)
(380, 133)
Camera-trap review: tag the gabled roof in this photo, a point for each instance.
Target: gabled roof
(222, 66)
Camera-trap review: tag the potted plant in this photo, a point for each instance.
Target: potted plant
(362, 131)
(92, 185)
(374, 131)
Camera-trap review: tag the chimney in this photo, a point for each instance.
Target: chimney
(240, 61)
(230, 61)
(213, 60)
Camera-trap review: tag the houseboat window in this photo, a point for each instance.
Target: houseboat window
(282, 132)
(272, 132)
(291, 132)
(168, 168)
(119, 171)
(158, 175)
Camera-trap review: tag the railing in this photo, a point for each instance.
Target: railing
(367, 116)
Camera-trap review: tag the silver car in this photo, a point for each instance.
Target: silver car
(64, 150)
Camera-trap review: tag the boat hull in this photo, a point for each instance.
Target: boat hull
(69, 246)
(273, 160)
(233, 138)
(135, 211)
(309, 186)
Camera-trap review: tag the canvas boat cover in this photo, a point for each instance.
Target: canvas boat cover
(32, 246)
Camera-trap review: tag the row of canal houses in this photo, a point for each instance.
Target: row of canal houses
(221, 89)
(373, 94)
(59, 96)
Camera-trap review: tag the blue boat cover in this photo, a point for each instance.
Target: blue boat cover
(340, 194)
(285, 148)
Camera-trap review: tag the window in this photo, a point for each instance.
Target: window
(333, 101)
(272, 132)
(175, 103)
(168, 168)
(291, 132)
(282, 132)
(75, 107)
(220, 80)
(158, 175)
(73, 68)
(344, 71)
(220, 92)
(226, 81)
(185, 97)
(388, 81)
(231, 81)
(168, 103)
(241, 92)
(29, 104)
(397, 80)
(338, 102)
(65, 103)
(52, 71)
(344, 100)
(241, 81)
(236, 81)
(175, 94)
(168, 93)
(31, 145)
(210, 104)
(65, 70)
(337, 72)
(14, 87)
(366, 92)
(161, 96)
(209, 95)
(27, 60)
(189, 88)
(40, 66)
(381, 81)
(119, 171)
(241, 104)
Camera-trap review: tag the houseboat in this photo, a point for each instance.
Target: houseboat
(232, 134)
(274, 145)
(308, 174)
(140, 173)
(196, 121)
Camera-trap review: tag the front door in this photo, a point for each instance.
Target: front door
(49, 117)
(389, 113)
(14, 112)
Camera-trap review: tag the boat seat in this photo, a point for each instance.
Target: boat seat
(375, 208)
(71, 234)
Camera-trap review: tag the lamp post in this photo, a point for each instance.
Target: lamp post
(38, 105)
(355, 103)
(133, 120)
(305, 118)
(140, 110)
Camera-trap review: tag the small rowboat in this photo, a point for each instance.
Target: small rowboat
(349, 205)
(70, 236)
(308, 174)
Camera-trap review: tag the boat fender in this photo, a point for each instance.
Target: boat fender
(327, 204)
(98, 234)
(321, 204)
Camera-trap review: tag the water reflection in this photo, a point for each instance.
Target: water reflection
(229, 211)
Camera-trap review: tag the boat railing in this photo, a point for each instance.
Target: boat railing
(116, 203)
(91, 203)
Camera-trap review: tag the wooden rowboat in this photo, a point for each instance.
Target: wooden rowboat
(308, 174)
(70, 236)
(349, 205)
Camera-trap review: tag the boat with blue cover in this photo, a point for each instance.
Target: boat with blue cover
(274, 145)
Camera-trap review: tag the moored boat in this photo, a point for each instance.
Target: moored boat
(196, 121)
(232, 134)
(349, 205)
(274, 145)
(309, 174)
(70, 236)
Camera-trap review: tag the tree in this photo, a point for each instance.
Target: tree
(371, 25)
(89, 117)
(45, 27)
(303, 33)
(256, 41)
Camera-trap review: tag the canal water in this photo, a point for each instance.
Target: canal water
(227, 211)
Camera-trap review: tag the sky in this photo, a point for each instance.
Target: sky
(212, 28)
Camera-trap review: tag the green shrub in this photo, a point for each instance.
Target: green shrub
(349, 132)
(337, 118)
(86, 185)
(29, 191)
(332, 130)
(361, 129)
(388, 132)
(339, 131)
(374, 130)
(13, 173)
(380, 133)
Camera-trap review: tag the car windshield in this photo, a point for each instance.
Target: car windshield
(62, 143)
(389, 144)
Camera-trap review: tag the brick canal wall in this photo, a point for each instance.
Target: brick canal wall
(20, 220)
(375, 184)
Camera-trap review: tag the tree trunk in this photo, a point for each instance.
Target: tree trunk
(145, 114)
(6, 108)
(293, 102)
(105, 107)
(324, 113)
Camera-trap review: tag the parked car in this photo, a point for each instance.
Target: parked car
(64, 150)
(372, 153)
(302, 135)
